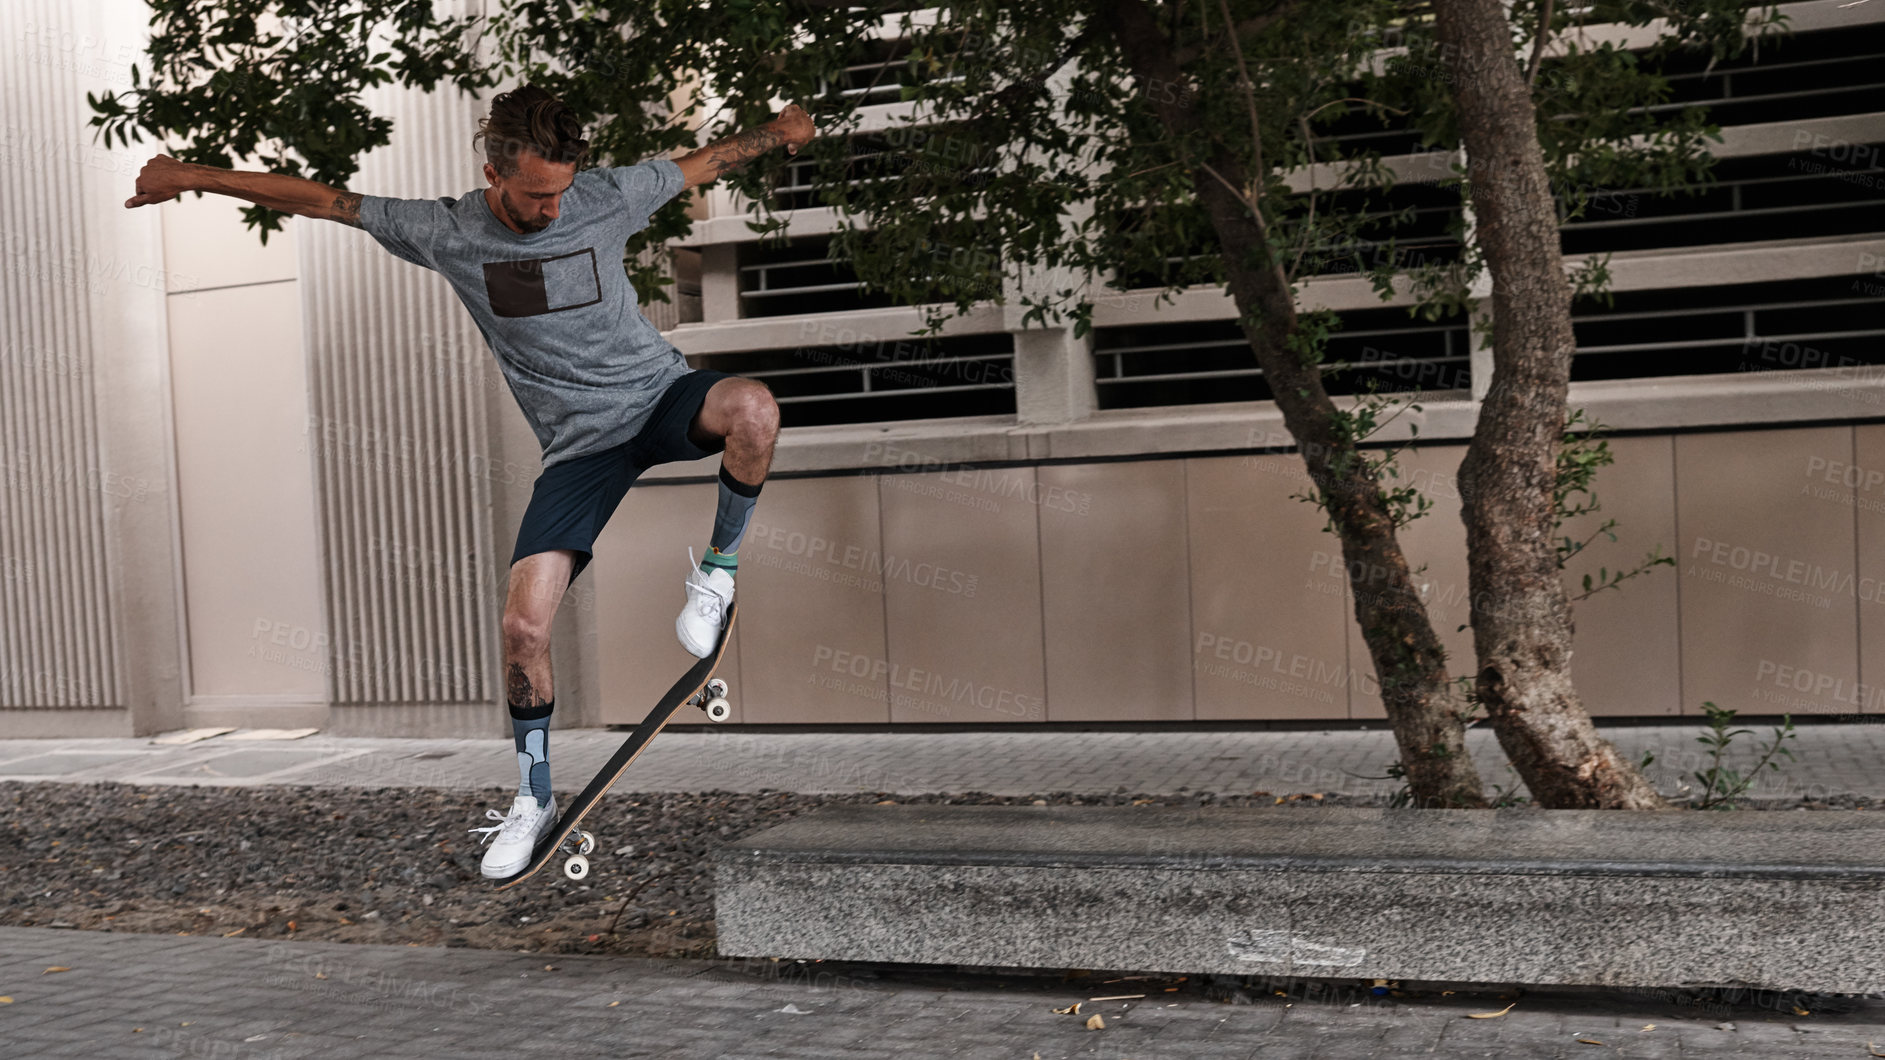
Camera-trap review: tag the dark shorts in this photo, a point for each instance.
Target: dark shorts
(573, 500)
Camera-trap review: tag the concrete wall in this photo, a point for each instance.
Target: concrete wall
(1196, 588)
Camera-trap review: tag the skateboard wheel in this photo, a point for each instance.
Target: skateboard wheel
(716, 688)
(576, 867)
(718, 709)
(585, 844)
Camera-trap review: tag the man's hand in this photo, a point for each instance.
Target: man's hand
(795, 126)
(163, 178)
(791, 127)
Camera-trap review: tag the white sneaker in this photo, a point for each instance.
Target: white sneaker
(707, 598)
(517, 835)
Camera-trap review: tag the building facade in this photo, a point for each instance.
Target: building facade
(278, 485)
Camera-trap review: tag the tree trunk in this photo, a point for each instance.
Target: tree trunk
(1521, 617)
(1423, 705)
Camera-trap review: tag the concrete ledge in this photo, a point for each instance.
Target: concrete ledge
(1775, 900)
(1749, 401)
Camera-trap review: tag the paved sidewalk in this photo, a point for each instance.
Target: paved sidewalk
(1828, 760)
(166, 996)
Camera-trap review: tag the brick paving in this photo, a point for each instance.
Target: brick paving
(166, 996)
(1829, 759)
(205, 997)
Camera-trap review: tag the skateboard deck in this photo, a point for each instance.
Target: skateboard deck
(682, 692)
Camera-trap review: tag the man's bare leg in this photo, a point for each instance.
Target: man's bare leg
(536, 589)
(742, 412)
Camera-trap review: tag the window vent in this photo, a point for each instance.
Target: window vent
(1789, 196)
(1825, 322)
(1206, 361)
(801, 277)
(1809, 75)
(906, 154)
(877, 75)
(845, 375)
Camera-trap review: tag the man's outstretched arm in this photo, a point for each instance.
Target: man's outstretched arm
(164, 178)
(792, 128)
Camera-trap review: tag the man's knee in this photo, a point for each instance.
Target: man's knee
(525, 635)
(754, 413)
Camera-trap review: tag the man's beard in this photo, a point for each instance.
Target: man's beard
(504, 199)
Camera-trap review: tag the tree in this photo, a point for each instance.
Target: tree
(1514, 135)
(1059, 135)
(280, 82)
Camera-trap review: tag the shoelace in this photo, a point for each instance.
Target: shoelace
(708, 603)
(505, 822)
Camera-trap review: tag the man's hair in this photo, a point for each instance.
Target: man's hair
(530, 119)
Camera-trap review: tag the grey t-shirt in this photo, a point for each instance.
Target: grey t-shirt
(555, 306)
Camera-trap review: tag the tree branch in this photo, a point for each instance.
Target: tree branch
(1538, 46)
(1308, 229)
(1234, 189)
(1248, 26)
(1257, 173)
(1011, 94)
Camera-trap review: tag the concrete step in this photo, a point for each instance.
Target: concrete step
(1766, 899)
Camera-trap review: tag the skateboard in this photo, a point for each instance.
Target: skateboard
(696, 687)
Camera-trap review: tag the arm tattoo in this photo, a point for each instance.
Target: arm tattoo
(345, 208)
(736, 151)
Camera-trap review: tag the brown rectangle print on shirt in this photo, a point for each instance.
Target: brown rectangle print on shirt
(533, 286)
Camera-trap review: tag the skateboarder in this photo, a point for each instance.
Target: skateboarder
(536, 258)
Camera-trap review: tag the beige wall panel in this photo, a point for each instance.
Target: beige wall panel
(245, 485)
(1865, 483)
(1625, 657)
(1438, 540)
(1767, 570)
(812, 612)
(1116, 591)
(206, 245)
(1267, 620)
(632, 590)
(962, 596)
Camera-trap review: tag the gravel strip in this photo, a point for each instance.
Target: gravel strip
(388, 865)
(397, 865)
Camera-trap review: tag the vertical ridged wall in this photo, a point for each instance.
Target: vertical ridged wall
(55, 616)
(397, 368)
